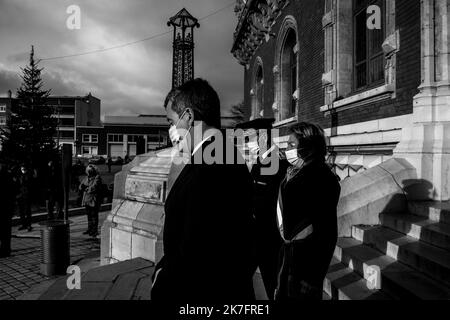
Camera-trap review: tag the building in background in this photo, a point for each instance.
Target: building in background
(80, 125)
(118, 136)
(317, 61)
(71, 111)
(5, 109)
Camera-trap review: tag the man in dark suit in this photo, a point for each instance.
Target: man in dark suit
(209, 228)
(267, 172)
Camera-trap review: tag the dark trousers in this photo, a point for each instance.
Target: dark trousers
(25, 211)
(268, 249)
(92, 215)
(5, 232)
(294, 274)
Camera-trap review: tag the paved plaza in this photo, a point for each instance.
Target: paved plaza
(20, 272)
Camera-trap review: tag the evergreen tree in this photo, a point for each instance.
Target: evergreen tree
(29, 138)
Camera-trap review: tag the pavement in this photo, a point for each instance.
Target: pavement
(20, 272)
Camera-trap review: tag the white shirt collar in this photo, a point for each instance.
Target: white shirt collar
(198, 146)
(266, 154)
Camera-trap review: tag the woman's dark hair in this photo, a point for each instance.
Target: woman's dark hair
(312, 144)
(198, 95)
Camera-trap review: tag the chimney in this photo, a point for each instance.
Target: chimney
(9, 94)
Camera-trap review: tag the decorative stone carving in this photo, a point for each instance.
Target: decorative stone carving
(390, 47)
(276, 69)
(255, 25)
(275, 107)
(327, 19)
(133, 228)
(239, 7)
(327, 78)
(392, 44)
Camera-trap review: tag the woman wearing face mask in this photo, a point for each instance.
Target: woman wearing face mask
(307, 216)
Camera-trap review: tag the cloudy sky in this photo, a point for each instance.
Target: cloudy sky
(129, 80)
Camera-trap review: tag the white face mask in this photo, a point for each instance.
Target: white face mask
(174, 135)
(253, 147)
(293, 158)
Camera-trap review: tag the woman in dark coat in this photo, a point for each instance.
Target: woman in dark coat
(307, 216)
(91, 188)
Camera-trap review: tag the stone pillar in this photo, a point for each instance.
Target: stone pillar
(134, 227)
(426, 142)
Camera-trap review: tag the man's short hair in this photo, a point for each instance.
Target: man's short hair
(311, 140)
(199, 96)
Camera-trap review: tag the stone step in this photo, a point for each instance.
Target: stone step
(397, 280)
(325, 297)
(342, 283)
(435, 211)
(431, 260)
(421, 228)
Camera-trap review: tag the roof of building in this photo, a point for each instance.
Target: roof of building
(149, 120)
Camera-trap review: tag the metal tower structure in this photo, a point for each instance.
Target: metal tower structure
(183, 24)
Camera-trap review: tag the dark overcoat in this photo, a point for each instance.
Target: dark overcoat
(208, 236)
(309, 198)
(91, 187)
(266, 190)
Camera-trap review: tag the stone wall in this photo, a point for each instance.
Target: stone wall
(385, 188)
(133, 229)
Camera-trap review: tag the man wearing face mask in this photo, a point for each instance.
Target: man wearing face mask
(307, 216)
(266, 184)
(208, 229)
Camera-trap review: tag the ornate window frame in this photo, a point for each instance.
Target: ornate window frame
(337, 79)
(257, 91)
(289, 24)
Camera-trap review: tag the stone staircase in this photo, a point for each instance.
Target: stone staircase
(411, 250)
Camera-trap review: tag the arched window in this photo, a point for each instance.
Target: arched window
(286, 72)
(258, 91)
(289, 75)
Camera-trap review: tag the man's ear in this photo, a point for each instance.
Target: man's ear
(190, 113)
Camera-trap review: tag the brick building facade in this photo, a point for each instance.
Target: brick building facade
(317, 61)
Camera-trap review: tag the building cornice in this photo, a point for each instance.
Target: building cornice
(256, 19)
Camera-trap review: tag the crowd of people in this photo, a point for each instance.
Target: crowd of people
(223, 221)
(18, 190)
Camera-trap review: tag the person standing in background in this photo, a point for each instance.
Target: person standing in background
(7, 196)
(91, 187)
(24, 198)
(109, 163)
